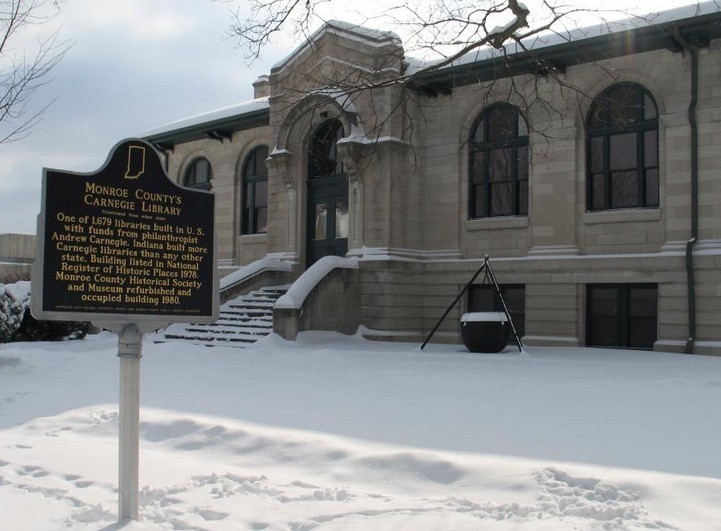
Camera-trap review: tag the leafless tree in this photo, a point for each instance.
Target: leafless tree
(440, 33)
(441, 30)
(24, 70)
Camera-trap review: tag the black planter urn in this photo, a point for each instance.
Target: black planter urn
(485, 331)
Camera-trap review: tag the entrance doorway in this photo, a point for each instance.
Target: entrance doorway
(327, 205)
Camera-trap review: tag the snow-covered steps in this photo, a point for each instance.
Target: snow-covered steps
(242, 321)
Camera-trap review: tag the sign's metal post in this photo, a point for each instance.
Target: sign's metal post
(131, 251)
(130, 346)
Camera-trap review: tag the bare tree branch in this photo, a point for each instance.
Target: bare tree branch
(22, 75)
(445, 31)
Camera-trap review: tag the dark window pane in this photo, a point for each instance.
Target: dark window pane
(642, 301)
(603, 311)
(523, 198)
(621, 162)
(515, 298)
(261, 222)
(604, 301)
(624, 104)
(652, 194)
(605, 332)
(501, 199)
(255, 191)
(248, 195)
(642, 311)
(623, 152)
(649, 106)
(650, 148)
(480, 206)
(597, 116)
(481, 299)
(597, 154)
(624, 189)
(250, 165)
(261, 193)
(198, 174)
(642, 332)
(478, 167)
(598, 201)
(522, 161)
(500, 165)
(322, 157)
(202, 171)
(622, 315)
(501, 157)
(321, 215)
(501, 121)
(341, 219)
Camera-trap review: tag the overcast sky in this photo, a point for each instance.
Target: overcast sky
(133, 65)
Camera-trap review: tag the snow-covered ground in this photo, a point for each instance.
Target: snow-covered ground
(337, 433)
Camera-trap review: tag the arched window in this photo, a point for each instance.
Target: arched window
(198, 174)
(499, 164)
(622, 149)
(323, 160)
(254, 217)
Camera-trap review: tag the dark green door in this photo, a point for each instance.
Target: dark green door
(327, 223)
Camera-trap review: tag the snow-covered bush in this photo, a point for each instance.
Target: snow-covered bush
(17, 324)
(33, 330)
(14, 303)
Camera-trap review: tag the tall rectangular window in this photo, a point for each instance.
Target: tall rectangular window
(498, 171)
(254, 215)
(622, 149)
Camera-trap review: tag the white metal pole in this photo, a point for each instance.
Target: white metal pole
(130, 346)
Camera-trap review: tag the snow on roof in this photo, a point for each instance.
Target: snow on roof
(368, 35)
(561, 36)
(224, 113)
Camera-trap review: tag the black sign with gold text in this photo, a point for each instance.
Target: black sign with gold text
(125, 240)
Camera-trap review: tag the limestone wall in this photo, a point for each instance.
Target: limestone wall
(17, 253)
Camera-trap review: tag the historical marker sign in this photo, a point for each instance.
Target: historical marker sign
(125, 242)
(128, 249)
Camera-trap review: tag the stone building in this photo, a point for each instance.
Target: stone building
(587, 168)
(17, 253)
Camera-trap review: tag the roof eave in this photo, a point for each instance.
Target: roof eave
(697, 30)
(215, 129)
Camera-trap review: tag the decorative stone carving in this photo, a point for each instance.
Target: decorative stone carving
(279, 159)
(354, 154)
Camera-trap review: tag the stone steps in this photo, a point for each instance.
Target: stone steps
(241, 322)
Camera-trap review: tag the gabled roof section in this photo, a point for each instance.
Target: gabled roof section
(218, 124)
(694, 24)
(367, 36)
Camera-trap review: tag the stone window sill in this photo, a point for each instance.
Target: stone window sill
(506, 222)
(622, 216)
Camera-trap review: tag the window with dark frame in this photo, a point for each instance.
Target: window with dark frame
(484, 298)
(199, 174)
(323, 160)
(498, 166)
(254, 216)
(622, 315)
(622, 149)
